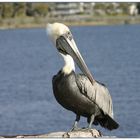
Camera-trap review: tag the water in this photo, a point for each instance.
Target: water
(28, 61)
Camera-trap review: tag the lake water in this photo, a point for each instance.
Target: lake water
(28, 61)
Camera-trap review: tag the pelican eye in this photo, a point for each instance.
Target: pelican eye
(69, 35)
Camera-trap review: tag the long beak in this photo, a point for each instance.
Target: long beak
(68, 46)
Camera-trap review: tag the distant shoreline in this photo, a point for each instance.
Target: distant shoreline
(40, 22)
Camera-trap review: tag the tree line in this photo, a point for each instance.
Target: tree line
(23, 9)
(16, 9)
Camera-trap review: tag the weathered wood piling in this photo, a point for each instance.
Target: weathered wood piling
(92, 133)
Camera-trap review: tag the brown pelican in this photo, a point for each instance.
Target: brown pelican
(80, 93)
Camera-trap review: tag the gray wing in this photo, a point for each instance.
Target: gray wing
(97, 93)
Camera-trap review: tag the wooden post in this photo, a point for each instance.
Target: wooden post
(92, 133)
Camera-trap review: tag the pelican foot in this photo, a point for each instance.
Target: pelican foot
(95, 133)
(75, 129)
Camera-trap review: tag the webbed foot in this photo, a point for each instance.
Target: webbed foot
(95, 133)
(75, 129)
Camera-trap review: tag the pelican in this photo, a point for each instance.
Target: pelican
(79, 93)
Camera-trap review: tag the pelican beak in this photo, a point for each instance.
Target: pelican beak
(67, 45)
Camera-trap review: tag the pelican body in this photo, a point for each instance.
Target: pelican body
(79, 93)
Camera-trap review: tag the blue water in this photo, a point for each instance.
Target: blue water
(28, 61)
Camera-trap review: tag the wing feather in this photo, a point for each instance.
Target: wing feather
(97, 93)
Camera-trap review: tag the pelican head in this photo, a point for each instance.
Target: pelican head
(62, 38)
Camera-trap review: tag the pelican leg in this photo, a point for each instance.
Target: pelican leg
(91, 121)
(75, 126)
(95, 133)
